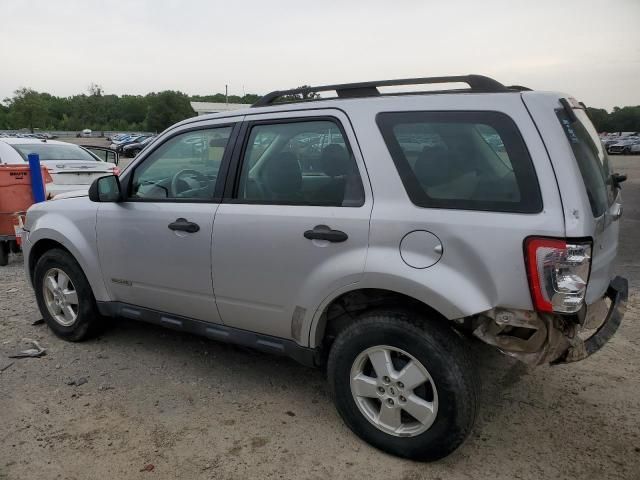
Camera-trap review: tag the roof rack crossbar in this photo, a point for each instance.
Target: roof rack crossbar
(477, 83)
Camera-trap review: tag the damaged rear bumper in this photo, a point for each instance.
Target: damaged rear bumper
(617, 293)
(538, 339)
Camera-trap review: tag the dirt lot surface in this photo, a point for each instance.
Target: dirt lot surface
(192, 408)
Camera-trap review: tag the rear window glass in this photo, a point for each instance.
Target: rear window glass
(462, 160)
(592, 159)
(54, 152)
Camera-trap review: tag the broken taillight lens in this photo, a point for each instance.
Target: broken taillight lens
(558, 272)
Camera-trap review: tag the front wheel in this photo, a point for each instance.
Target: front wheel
(404, 384)
(64, 296)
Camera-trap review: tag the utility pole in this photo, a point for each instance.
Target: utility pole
(226, 94)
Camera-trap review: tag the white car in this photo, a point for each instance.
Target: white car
(624, 145)
(72, 168)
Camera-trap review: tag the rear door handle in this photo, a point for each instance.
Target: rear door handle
(322, 232)
(184, 225)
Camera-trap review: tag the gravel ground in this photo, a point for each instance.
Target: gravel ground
(193, 408)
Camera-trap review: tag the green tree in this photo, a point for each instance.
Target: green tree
(28, 109)
(4, 117)
(167, 108)
(600, 119)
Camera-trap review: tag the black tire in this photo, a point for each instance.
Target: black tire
(88, 319)
(14, 247)
(443, 354)
(4, 253)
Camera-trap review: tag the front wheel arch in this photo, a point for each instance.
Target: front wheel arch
(40, 248)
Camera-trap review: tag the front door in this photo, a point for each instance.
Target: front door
(296, 224)
(155, 246)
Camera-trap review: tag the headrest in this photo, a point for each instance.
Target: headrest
(432, 166)
(282, 174)
(335, 160)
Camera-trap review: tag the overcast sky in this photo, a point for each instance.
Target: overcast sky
(589, 48)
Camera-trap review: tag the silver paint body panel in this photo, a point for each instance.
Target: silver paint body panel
(251, 268)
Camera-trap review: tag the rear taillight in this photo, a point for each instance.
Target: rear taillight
(558, 273)
(116, 171)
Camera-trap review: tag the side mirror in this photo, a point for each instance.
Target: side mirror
(105, 189)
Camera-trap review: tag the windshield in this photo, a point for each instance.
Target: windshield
(48, 151)
(592, 159)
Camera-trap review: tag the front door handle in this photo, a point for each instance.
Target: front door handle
(322, 232)
(184, 225)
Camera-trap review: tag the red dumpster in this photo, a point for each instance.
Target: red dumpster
(15, 199)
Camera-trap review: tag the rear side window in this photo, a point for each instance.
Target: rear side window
(462, 160)
(52, 151)
(300, 162)
(592, 159)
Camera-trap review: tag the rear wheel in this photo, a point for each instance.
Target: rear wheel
(64, 296)
(403, 384)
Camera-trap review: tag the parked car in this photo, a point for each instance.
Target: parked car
(118, 147)
(132, 149)
(72, 168)
(623, 146)
(131, 137)
(119, 139)
(216, 231)
(85, 133)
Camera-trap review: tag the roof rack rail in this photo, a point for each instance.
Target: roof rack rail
(477, 83)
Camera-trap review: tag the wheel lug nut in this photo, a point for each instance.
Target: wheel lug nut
(402, 399)
(381, 390)
(390, 401)
(400, 385)
(386, 379)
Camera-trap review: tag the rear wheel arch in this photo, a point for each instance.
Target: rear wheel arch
(348, 306)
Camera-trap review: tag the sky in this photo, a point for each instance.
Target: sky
(588, 48)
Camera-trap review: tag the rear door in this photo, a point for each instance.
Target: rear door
(103, 153)
(295, 224)
(591, 200)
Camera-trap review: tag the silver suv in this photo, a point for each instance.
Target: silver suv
(373, 234)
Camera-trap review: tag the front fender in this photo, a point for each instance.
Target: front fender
(75, 229)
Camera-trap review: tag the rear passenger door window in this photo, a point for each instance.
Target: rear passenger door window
(464, 160)
(303, 162)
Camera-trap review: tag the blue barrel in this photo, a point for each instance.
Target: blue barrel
(37, 184)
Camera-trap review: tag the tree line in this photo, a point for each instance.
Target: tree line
(625, 119)
(29, 109)
(154, 112)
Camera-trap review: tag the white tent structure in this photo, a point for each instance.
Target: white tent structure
(203, 108)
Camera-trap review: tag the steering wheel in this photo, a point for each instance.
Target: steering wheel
(199, 176)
